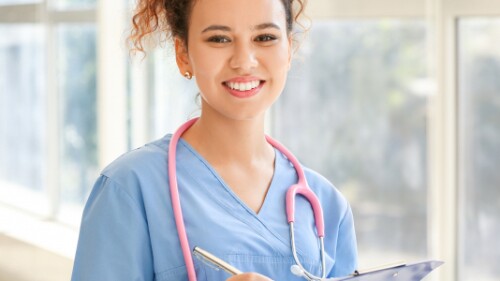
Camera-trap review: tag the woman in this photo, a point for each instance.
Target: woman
(232, 182)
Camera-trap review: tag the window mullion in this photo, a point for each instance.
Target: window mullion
(321, 9)
(111, 86)
(53, 111)
(72, 16)
(473, 8)
(443, 141)
(26, 13)
(139, 128)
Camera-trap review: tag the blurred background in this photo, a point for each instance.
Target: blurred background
(395, 102)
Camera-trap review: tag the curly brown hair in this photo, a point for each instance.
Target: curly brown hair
(169, 19)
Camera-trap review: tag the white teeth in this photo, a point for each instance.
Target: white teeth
(243, 86)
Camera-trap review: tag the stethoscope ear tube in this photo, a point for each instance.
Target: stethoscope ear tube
(313, 200)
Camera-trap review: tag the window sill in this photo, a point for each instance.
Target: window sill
(46, 234)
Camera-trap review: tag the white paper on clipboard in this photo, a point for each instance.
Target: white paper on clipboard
(401, 272)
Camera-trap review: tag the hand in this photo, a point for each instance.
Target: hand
(250, 276)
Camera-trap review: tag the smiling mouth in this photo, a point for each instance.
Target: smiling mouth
(243, 86)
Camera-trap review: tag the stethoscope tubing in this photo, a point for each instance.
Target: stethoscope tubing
(176, 202)
(301, 187)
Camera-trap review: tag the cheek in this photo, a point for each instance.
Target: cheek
(205, 62)
(281, 57)
(279, 63)
(206, 69)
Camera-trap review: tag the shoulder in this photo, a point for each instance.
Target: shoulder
(139, 159)
(131, 182)
(139, 162)
(137, 171)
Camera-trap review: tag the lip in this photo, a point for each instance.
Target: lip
(244, 94)
(243, 79)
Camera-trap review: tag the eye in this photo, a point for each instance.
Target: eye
(265, 38)
(218, 39)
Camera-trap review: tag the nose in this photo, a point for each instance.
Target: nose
(244, 57)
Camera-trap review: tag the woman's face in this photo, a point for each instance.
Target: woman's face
(239, 53)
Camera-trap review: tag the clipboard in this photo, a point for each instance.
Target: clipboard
(400, 272)
(397, 272)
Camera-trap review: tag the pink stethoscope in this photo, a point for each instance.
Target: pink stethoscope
(301, 187)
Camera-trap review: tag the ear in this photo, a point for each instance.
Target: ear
(181, 56)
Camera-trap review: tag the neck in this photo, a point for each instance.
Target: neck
(224, 141)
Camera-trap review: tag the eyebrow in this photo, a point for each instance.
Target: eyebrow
(216, 27)
(267, 25)
(227, 28)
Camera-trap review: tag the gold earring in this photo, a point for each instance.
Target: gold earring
(188, 75)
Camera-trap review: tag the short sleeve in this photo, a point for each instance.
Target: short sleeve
(114, 243)
(346, 252)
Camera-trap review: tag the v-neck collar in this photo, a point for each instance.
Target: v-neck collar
(228, 189)
(271, 225)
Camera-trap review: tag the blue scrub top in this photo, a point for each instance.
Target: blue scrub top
(128, 230)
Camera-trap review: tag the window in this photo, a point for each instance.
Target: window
(354, 109)
(479, 88)
(78, 113)
(23, 122)
(48, 106)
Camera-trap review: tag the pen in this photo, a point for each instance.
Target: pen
(199, 252)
